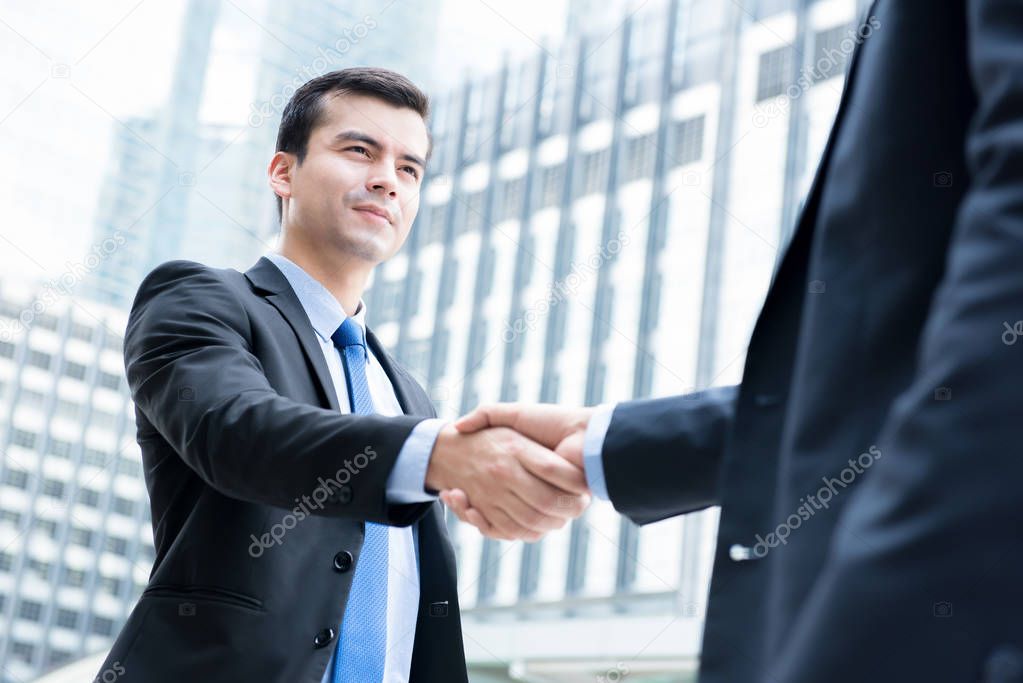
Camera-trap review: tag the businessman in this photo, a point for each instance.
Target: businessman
(292, 465)
(868, 465)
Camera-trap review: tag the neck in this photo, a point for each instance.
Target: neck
(345, 278)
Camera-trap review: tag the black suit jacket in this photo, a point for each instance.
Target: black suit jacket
(240, 431)
(882, 334)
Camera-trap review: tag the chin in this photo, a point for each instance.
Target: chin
(367, 246)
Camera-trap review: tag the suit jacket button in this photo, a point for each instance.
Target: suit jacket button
(324, 637)
(343, 561)
(740, 553)
(344, 494)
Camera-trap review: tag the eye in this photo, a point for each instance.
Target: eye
(358, 148)
(412, 170)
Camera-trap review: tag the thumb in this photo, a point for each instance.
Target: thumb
(497, 415)
(571, 448)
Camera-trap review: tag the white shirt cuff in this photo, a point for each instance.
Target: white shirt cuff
(593, 447)
(407, 481)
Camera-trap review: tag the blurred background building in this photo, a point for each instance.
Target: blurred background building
(601, 219)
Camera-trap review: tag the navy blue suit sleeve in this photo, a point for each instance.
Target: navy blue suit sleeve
(662, 456)
(922, 580)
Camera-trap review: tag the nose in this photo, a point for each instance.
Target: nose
(383, 180)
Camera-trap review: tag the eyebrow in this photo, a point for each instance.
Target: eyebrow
(359, 136)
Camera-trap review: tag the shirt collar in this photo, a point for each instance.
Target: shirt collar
(324, 311)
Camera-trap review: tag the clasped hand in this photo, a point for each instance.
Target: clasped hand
(513, 471)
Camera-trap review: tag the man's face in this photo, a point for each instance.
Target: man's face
(357, 190)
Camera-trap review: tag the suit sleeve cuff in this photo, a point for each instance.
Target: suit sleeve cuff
(407, 481)
(593, 446)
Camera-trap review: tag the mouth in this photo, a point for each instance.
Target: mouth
(374, 213)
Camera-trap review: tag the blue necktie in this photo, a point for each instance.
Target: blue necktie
(363, 643)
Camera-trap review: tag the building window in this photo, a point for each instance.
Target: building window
(111, 585)
(417, 355)
(88, 497)
(16, 478)
(109, 380)
(639, 157)
(23, 438)
(46, 321)
(11, 517)
(39, 359)
(511, 198)
(117, 546)
(436, 223)
(53, 488)
(39, 568)
(30, 611)
(6, 350)
(74, 578)
(774, 72)
(67, 618)
(22, 651)
(472, 213)
(102, 626)
(594, 172)
(47, 526)
(80, 331)
(552, 179)
(124, 506)
(6, 562)
(389, 300)
(94, 457)
(688, 146)
(82, 537)
(830, 58)
(57, 657)
(59, 448)
(128, 466)
(74, 370)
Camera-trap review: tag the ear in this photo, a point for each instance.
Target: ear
(279, 173)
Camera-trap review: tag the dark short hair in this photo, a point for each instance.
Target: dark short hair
(305, 110)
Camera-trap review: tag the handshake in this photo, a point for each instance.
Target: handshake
(513, 471)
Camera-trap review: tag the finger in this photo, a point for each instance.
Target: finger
(498, 414)
(458, 502)
(507, 528)
(552, 468)
(553, 503)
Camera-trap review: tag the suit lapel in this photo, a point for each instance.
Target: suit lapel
(274, 287)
